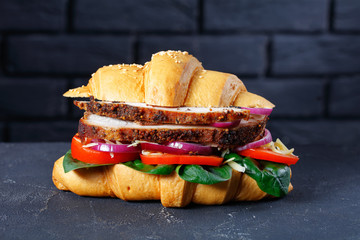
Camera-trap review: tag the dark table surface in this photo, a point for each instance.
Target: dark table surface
(323, 205)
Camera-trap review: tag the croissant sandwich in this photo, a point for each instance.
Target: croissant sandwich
(172, 131)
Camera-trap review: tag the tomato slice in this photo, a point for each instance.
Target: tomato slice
(181, 159)
(265, 154)
(89, 155)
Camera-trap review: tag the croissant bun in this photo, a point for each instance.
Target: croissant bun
(130, 185)
(172, 79)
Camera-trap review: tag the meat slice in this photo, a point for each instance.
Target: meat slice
(94, 126)
(149, 115)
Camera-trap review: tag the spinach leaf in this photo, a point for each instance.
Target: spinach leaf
(274, 178)
(160, 169)
(204, 174)
(70, 163)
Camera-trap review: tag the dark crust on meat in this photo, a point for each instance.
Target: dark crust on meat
(219, 137)
(152, 116)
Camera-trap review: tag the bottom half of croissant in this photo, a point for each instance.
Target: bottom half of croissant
(130, 185)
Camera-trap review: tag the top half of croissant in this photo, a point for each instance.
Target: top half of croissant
(172, 79)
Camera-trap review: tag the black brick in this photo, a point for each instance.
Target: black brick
(1, 55)
(316, 55)
(32, 98)
(264, 15)
(33, 15)
(142, 15)
(292, 97)
(233, 54)
(66, 54)
(42, 131)
(2, 129)
(347, 15)
(345, 97)
(323, 132)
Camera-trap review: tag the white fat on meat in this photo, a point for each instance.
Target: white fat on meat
(97, 120)
(186, 109)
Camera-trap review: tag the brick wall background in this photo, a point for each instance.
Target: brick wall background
(303, 55)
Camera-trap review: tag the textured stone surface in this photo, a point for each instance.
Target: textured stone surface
(324, 197)
(66, 54)
(316, 55)
(347, 15)
(29, 98)
(322, 132)
(345, 97)
(42, 131)
(143, 15)
(33, 15)
(292, 97)
(264, 15)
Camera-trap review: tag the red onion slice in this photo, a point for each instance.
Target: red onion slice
(115, 148)
(178, 148)
(226, 124)
(162, 148)
(192, 147)
(266, 139)
(259, 111)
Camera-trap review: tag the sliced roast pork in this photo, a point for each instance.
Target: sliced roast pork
(100, 127)
(150, 115)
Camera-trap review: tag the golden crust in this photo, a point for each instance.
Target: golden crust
(83, 182)
(82, 91)
(213, 89)
(251, 100)
(249, 190)
(131, 185)
(175, 192)
(171, 78)
(168, 77)
(121, 82)
(219, 193)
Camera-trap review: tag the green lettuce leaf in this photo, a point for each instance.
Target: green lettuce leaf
(204, 174)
